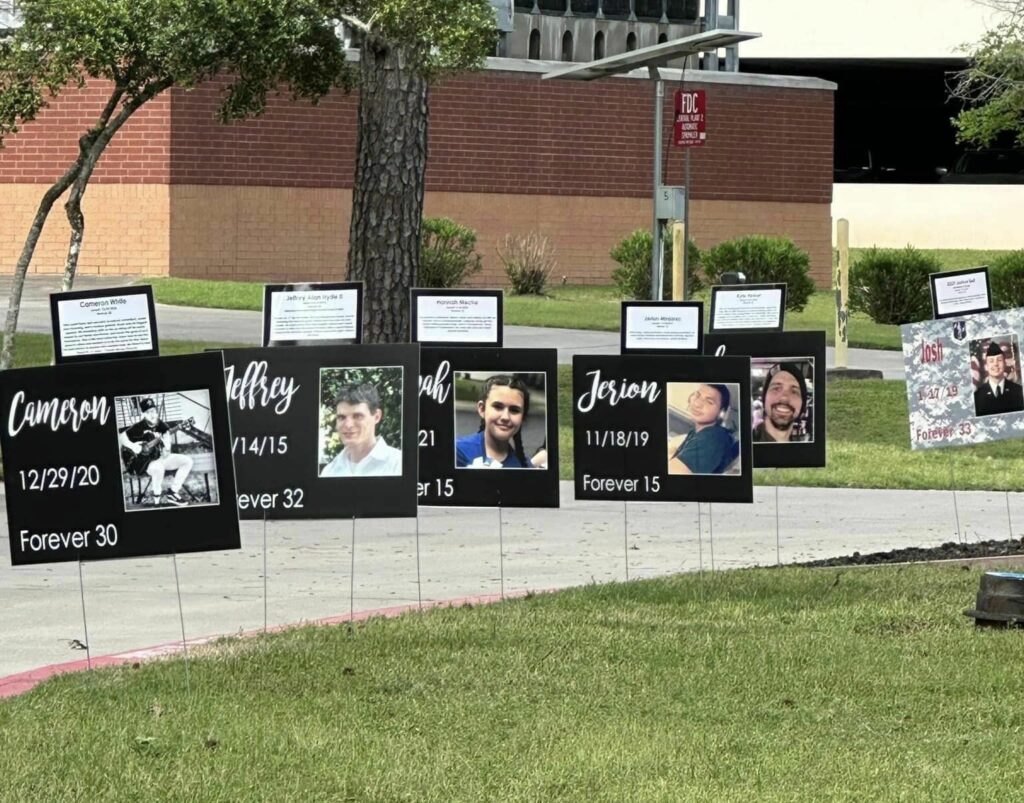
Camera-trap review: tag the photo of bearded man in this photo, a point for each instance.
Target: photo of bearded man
(782, 400)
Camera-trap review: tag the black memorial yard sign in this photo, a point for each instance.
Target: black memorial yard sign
(662, 428)
(787, 383)
(117, 459)
(322, 432)
(484, 409)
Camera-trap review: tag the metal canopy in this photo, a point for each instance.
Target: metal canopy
(653, 56)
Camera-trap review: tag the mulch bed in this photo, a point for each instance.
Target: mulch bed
(949, 551)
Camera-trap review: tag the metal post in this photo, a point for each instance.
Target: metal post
(656, 247)
(687, 279)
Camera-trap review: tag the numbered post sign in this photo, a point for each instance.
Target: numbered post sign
(489, 427)
(964, 379)
(323, 432)
(117, 459)
(662, 429)
(787, 402)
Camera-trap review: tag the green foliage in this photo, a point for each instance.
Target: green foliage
(992, 86)
(1006, 274)
(146, 46)
(387, 380)
(633, 276)
(891, 285)
(528, 260)
(447, 253)
(436, 37)
(764, 259)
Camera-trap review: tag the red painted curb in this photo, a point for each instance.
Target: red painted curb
(21, 682)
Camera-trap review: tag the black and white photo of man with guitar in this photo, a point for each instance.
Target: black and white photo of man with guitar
(153, 449)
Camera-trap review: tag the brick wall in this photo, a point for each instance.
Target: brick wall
(508, 152)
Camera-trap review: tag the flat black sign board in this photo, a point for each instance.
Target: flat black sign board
(324, 432)
(476, 403)
(787, 382)
(456, 317)
(108, 324)
(662, 429)
(960, 292)
(313, 314)
(662, 327)
(748, 308)
(77, 489)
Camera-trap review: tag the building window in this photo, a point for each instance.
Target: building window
(683, 10)
(524, 5)
(662, 38)
(534, 44)
(584, 6)
(598, 45)
(552, 6)
(567, 46)
(630, 42)
(616, 9)
(648, 9)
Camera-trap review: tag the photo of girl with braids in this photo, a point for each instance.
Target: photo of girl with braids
(500, 420)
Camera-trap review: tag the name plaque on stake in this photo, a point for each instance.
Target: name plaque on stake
(112, 323)
(960, 292)
(318, 314)
(964, 379)
(747, 308)
(323, 432)
(662, 327)
(456, 317)
(485, 409)
(662, 429)
(117, 459)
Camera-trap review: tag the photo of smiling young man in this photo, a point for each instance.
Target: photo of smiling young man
(782, 400)
(500, 421)
(361, 417)
(703, 436)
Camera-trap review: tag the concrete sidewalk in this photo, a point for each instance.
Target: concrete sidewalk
(235, 326)
(132, 603)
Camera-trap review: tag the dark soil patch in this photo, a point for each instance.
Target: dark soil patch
(948, 551)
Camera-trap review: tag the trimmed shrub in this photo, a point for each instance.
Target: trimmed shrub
(762, 260)
(633, 276)
(891, 284)
(447, 253)
(1006, 273)
(528, 260)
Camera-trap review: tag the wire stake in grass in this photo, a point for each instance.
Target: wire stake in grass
(1009, 521)
(264, 570)
(85, 623)
(956, 509)
(352, 579)
(501, 550)
(181, 616)
(419, 582)
(778, 550)
(625, 535)
(711, 537)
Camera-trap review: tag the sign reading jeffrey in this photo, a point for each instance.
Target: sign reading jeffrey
(324, 431)
(117, 459)
(964, 378)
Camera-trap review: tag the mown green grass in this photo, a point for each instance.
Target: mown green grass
(791, 684)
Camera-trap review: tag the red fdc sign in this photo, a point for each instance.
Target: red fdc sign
(690, 126)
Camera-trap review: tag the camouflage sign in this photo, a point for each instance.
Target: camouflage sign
(964, 379)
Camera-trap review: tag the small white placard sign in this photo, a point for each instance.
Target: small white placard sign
(104, 325)
(457, 319)
(961, 293)
(663, 327)
(747, 308)
(314, 315)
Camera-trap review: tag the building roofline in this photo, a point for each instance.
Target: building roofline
(696, 76)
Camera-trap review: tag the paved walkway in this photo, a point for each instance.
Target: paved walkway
(234, 326)
(132, 603)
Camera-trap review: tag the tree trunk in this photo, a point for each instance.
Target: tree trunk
(21, 269)
(387, 199)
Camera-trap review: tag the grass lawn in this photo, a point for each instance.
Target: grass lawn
(764, 684)
(581, 306)
(868, 437)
